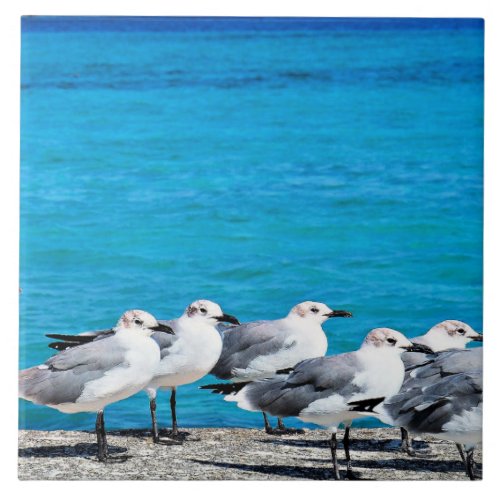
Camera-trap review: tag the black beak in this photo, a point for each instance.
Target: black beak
(339, 314)
(227, 318)
(477, 338)
(163, 328)
(419, 348)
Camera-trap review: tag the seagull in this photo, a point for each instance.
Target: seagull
(449, 334)
(444, 398)
(186, 356)
(93, 375)
(323, 390)
(259, 349)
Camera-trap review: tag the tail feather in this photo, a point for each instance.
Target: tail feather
(65, 341)
(284, 371)
(80, 339)
(365, 405)
(30, 382)
(227, 388)
(61, 346)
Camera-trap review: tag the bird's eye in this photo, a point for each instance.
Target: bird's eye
(314, 310)
(391, 341)
(461, 331)
(203, 310)
(137, 321)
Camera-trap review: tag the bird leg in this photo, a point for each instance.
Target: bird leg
(104, 440)
(175, 431)
(102, 446)
(176, 436)
(282, 429)
(469, 464)
(333, 448)
(406, 446)
(350, 473)
(154, 423)
(460, 449)
(154, 427)
(267, 425)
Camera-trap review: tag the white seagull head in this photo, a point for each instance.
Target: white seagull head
(208, 312)
(316, 312)
(391, 341)
(451, 334)
(141, 322)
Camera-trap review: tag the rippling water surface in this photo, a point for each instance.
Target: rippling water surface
(257, 163)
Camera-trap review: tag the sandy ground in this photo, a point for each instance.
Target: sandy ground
(234, 454)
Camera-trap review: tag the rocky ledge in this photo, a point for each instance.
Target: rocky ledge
(230, 453)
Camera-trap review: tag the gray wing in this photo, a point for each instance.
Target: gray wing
(452, 361)
(67, 373)
(433, 393)
(243, 343)
(412, 360)
(312, 379)
(222, 328)
(166, 340)
(448, 362)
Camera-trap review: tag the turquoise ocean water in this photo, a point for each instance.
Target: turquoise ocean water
(256, 163)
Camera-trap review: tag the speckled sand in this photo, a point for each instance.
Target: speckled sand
(234, 454)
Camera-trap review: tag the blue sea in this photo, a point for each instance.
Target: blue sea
(257, 163)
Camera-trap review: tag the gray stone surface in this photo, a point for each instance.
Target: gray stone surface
(234, 454)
